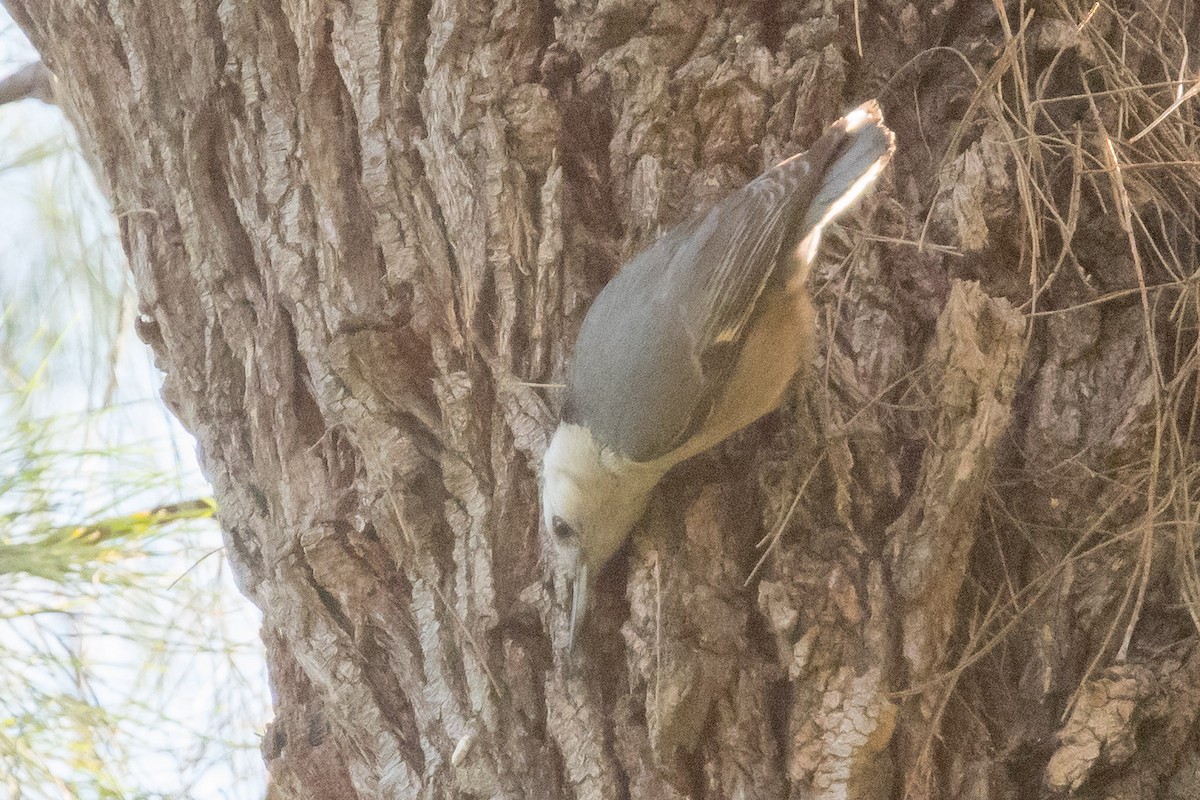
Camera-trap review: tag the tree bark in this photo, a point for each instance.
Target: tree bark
(360, 231)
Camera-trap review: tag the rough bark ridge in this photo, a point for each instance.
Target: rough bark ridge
(359, 228)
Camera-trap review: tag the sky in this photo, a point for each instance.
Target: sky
(164, 642)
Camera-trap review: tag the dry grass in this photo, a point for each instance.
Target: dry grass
(1096, 104)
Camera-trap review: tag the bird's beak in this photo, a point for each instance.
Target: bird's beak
(579, 600)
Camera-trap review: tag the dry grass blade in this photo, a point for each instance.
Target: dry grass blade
(1092, 106)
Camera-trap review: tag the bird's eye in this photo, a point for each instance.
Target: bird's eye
(562, 530)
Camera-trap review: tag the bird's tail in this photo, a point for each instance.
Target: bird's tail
(848, 157)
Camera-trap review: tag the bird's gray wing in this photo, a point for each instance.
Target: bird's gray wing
(660, 340)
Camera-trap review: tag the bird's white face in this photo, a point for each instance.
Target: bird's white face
(591, 499)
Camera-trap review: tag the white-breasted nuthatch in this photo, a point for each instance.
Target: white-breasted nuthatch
(693, 339)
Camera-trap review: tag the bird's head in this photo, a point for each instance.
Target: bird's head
(591, 499)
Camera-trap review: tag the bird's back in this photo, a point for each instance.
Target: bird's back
(664, 337)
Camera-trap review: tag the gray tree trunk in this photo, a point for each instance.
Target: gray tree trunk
(359, 230)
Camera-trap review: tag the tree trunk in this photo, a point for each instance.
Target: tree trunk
(360, 231)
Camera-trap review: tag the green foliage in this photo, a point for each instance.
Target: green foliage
(129, 665)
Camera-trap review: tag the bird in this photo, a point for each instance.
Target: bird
(694, 338)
